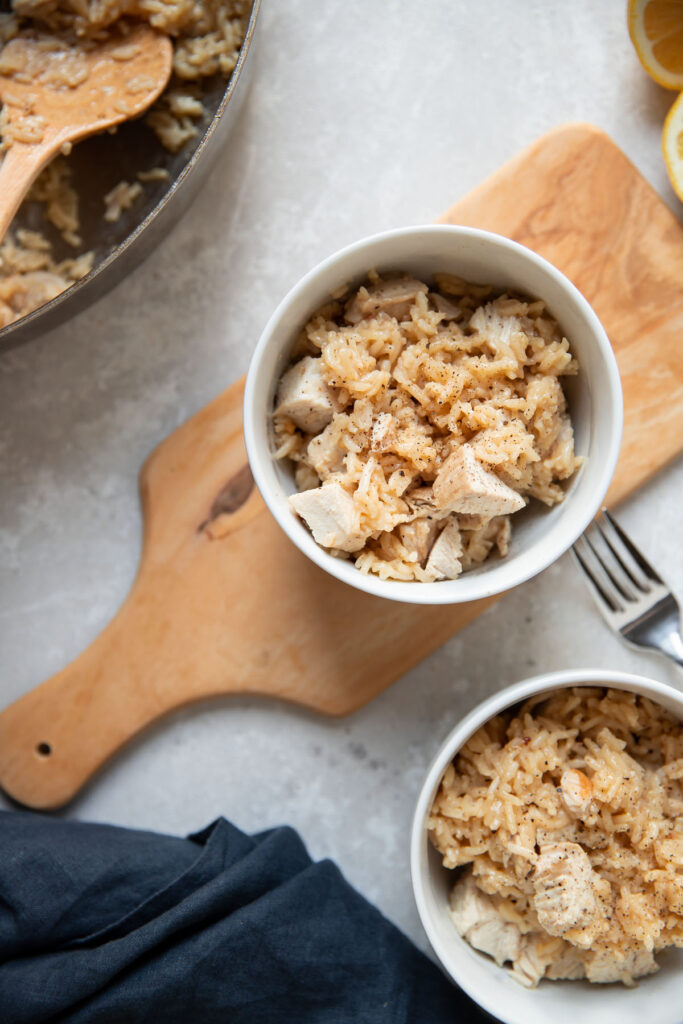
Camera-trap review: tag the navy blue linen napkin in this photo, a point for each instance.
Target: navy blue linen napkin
(104, 925)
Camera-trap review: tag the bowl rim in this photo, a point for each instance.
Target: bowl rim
(441, 592)
(458, 736)
(27, 323)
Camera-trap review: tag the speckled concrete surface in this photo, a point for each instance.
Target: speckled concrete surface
(363, 116)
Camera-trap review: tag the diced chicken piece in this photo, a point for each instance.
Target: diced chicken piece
(304, 396)
(448, 309)
(603, 966)
(498, 329)
(451, 284)
(331, 516)
(563, 884)
(472, 522)
(383, 433)
(305, 478)
(530, 964)
(569, 965)
(394, 297)
(418, 537)
(421, 501)
(463, 485)
(577, 791)
(324, 452)
(503, 532)
(475, 916)
(445, 557)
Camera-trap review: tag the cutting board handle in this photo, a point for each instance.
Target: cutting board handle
(144, 664)
(58, 735)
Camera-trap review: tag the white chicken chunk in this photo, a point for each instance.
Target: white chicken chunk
(421, 501)
(475, 916)
(529, 965)
(463, 485)
(418, 537)
(305, 478)
(471, 522)
(394, 297)
(445, 557)
(569, 965)
(604, 967)
(500, 332)
(563, 883)
(561, 458)
(331, 516)
(448, 309)
(324, 453)
(304, 397)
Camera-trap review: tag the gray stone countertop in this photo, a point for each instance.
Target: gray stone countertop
(363, 116)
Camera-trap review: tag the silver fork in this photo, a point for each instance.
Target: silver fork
(632, 597)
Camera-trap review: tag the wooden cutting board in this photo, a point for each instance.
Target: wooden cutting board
(224, 603)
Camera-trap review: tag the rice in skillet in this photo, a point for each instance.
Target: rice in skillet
(419, 418)
(207, 36)
(566, 821)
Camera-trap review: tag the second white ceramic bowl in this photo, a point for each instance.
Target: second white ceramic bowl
(657, 998)
(539, 535)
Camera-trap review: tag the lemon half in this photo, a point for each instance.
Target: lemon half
(656, 30)
(672, 145)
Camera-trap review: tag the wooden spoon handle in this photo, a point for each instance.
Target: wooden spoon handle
(19, 169)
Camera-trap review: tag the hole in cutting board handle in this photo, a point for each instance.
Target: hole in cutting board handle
(43, 749)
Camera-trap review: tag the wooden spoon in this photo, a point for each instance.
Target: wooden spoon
(44, 113)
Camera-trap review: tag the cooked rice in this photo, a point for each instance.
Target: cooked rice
(153, 174)
(207, 36)
(29, 128)
(585, 773)
(29, 276)
(414, 378)
(53, 188)
(121, 198)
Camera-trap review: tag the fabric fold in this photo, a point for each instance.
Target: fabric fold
(103, 925)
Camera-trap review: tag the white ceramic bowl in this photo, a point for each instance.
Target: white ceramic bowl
(657, 998)
(539, 535)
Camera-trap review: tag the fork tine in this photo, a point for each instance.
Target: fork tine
(608, 572)
(606, 599)
(629, 547)
(620, 560)
(611, 563)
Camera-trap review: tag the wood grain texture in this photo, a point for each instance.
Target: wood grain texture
(576, 199)
(224, 603)
(102, 99)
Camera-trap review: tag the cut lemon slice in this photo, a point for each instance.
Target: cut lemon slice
(672, 145)
(656, 30)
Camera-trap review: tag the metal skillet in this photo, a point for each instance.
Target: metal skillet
(99, 163)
